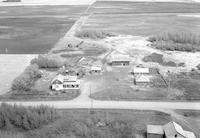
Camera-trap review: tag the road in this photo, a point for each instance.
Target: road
(84, 102)
(141, 105)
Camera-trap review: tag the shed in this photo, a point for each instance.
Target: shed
(119, 60)
(138, 70)
(155, 131)
(141, 79)
(96, 69)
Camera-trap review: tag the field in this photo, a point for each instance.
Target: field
(110, 123)
(35, 30)
(143, 18)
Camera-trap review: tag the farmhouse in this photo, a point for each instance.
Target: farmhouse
(61, 82)
(170, 130)
(155, 131)
(119, 60)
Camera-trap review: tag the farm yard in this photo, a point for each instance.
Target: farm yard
(79, 53)
(113, 73)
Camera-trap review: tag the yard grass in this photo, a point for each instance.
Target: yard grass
(118, 86)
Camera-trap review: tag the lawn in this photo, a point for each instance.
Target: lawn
(118, 86)
(35, 30)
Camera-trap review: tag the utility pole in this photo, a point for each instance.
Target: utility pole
(91, 100)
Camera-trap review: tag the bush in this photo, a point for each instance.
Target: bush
(11, 135)
(176, 41)
(158, 58)
(93, 34)
(25, 118)
(26, 80)
(44, 62)
(198, 67)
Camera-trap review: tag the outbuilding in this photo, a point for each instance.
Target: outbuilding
(139, 70)
(141, 79)
(119, 60)
(96, 69)
(155, 131)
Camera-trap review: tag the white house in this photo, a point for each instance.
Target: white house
(61, 82)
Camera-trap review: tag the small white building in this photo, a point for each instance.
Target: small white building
(174, 130)
(141, 79)
(61, 82)
(96, 69)
(139, 70)
(155, 131)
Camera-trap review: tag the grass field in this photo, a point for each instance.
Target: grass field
(143, 18)
(34, 30)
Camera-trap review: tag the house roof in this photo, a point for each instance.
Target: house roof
(189, 134)
(97, 63)
(155, 129)
(63, 78)
(142, 79)
(172, 128)
(119, 58)
(70, 78)
(140, 70)
(59, 78)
